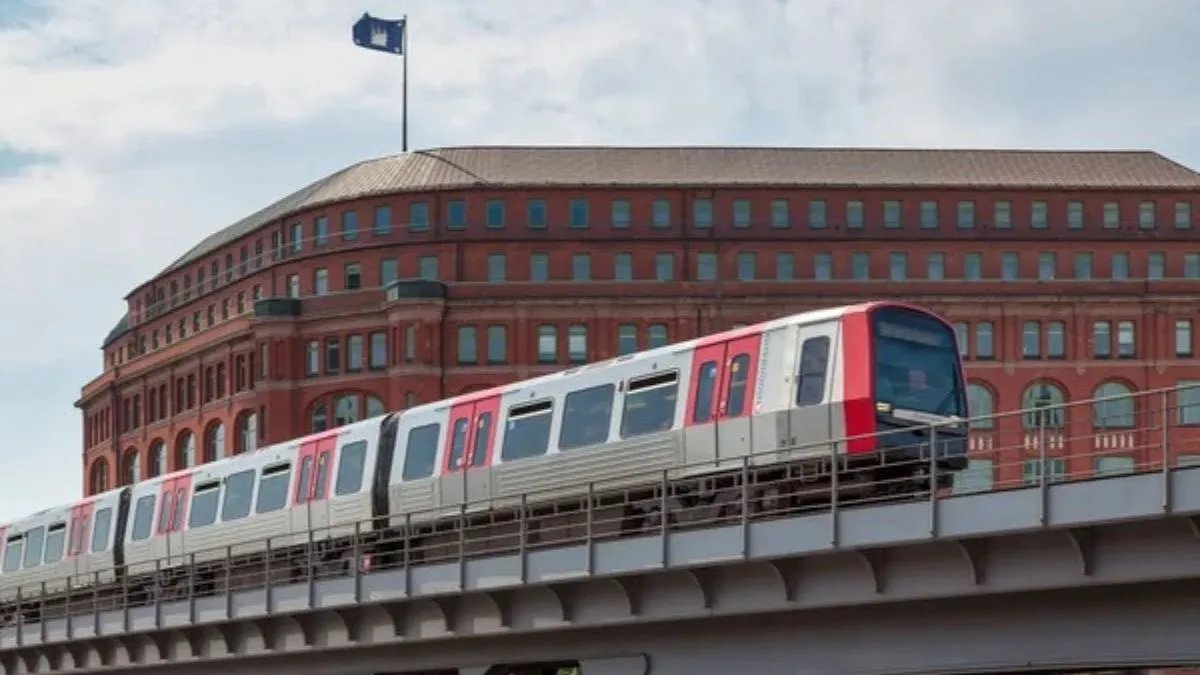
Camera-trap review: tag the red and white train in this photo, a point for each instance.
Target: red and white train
(788, 388)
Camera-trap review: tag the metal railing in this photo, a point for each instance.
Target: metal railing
(1151, 431)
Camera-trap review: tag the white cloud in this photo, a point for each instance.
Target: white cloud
(165, 121)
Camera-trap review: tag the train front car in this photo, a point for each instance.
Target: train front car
(917, 391)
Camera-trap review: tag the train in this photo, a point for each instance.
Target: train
(796, 399)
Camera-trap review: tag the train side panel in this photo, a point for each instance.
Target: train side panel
(413, 486)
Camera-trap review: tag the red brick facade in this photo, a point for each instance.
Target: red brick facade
(193, 356)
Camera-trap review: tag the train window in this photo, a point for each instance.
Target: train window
(55, 537)
(587, 414)
(322, 475)
(706, 384)
(650, 404)
(180, 504)
(33, 547)
(350, 468)
(528, 430)
(143, 518)
(303, 481)
(458, 441)
(12, 553)
(100, 533)
(273, 487)
(164, 513)
(814, 357)
(735, 395)
(204, 505)
(239, 495)
(482, 433)
(420, 453)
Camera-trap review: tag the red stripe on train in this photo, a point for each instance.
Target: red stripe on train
(858, 405)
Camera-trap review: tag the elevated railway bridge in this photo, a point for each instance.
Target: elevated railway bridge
(1071, 542)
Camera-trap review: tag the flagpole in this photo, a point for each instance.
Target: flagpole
(404, 93)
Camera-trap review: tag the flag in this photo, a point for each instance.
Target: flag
(379, 34)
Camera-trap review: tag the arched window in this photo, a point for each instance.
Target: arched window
(214, 442)
(129, 467)
(374, 407)
(319, 422)
(980, 404)
(247, 432)
(1117, 413)
(185, 450)
(98, 477)
(345, 410)
(1042, 403)
(156, 459)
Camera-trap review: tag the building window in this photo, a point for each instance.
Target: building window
(350, 226)
(980, 404)
(1083, 266)
(1115, 413)
(741, 213)
(662, 214)
(891, 214)
(577, 349)
(353, 276)
(1183, 215)
(972, 266)
(467, 345)
(935, 266)
(1010, 266)
(702, 212)
(620, 213)
(1126, 340)
(1044, 405)
(929, 215)
(581, 267)
(1191, 266)
(706, 266)
(623, 267)
(354, 353)
(297, 245)
(535, 214)
(1031, 340)
(747, 266)
(966, 215)
(389, 271)
(497, 267)
(960, 338)
(418, 217)
(816, 214)
(539, 267)
(1074, 215)
(383, 220)
(1156, 266)
(1120, 266)
(823, 266)
(312, 358)
(780, 217)
(1101, 339)
(626, 339)
(898, 265)
(985, 343)
(860, 265)
(321, 228)
(379, 350)
(547, 344)
(493, 217)
(1056, 341)
(427, 268)
(1112, 215)
(1046, 266)
(1188, 402)
(1037, 215)
(579, 213)
(456, 214)
(1183, 337)
(497, 344)
(333, 355)
(1002, 214)
(293, 286)
(321, 281)
(785, 266)
(664, 266)
(1146, 215)
(854, 214)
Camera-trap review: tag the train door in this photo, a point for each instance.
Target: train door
(816, 362)
(173, 501)
(79, 548)
(721, 399)
(466, 463)
(311, 493)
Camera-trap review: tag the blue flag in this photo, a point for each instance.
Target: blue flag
(379, 34)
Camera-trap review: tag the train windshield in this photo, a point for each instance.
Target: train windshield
(916, 365)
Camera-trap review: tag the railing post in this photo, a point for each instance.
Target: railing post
(833, 495)
(462, 544)
(523, 528)
(745, 510)
(229, 582)
(42, 615)
(408, 555)
(1042, 491)
(267, 600)
(20, 617)
(356, 560)
(96, 604)
(590, 544)
(309, 560)
(933, 479)
(1166, 455)
(663, 527)
(67, 607)
(191, 591)
(125, 602)
(158, 591)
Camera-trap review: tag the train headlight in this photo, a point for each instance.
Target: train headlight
(883, 407)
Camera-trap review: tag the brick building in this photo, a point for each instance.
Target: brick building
(408, 278)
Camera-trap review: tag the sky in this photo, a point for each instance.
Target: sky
(131, 130)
